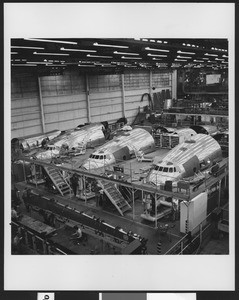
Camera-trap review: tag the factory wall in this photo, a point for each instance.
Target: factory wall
(62, 102)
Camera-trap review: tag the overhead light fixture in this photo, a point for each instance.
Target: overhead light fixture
(165, 42)
(14, 52)
(116, 52)
(52, 41)
(105, 45)
(206, 58)
(38, 62)
(159, 42)
(161, 50)
(158, 55)
(180, 59)
(152, 41)
(89, 55)
(127, 57)
(25, 47)
(25, 65)
(86, 66)
(185, 52)
(56, 65)
(157, 58)
(225, 56)
(178, 56)
(41, 53)
(137, 39)
(145, 40)
(219, 58)
(208, 54)
(196, 60)
(77, 50)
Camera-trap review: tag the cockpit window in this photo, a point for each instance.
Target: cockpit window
(161, 169)
(174, 169)
(165, 169)
(170, 170)
(101, 156)
(97, 157)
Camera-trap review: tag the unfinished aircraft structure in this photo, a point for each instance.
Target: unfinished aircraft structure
(187, 159)
(127, 144)
(74, 141)
(34, 141)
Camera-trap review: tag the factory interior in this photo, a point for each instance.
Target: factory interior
(119, 146)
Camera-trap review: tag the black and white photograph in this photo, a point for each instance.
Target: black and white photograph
(119, 144)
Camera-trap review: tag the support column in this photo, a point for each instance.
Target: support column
(133, 202)
(219, 196)
(156, 220)
(123, 94)
(151, 86)
(174, 84)
(88, 98)
(41, 105)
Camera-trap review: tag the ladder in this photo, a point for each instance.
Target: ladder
(60, 183)
(139, 154)
(115, 196)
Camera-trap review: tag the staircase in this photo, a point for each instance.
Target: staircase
(60, 183)
(115, 196)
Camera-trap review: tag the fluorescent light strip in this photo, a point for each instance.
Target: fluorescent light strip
(225, 56)
(159, 55)
(184, 52)
(114, 46)
(157, 58)
(208, 54)
(38, 62)
(14, 52)
(219, 59)
(52, 41)
(124, 57)
(25, 65)
(195, 60)
(184, 57)
(86, 66)
(206, 58)
(161, 50)
(41, 53)
(23, 47)
(180, 59)
(159, 42)
(77, 50)
(55, 65)
(116, 52)
(89, 55)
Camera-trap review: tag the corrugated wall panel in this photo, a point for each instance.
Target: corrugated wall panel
(161, 79)
(135, 80)
(103, 83)
(64, 100)
(25, 109)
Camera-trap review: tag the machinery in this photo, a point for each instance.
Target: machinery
(187, 159)
(127, 144)
(74, 141)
